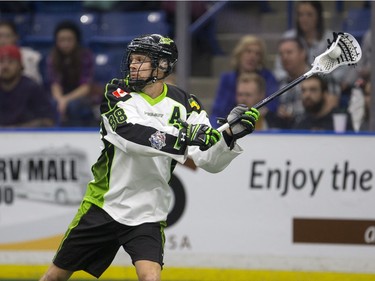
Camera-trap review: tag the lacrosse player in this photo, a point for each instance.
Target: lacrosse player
(147, 127)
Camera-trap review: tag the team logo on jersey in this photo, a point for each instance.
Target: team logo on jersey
(157, 140)
(119, 93)
(193, 103)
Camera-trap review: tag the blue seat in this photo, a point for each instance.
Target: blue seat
(119, 28)
(107, 66)
(357, 22)
(57, 6)
(43, 26)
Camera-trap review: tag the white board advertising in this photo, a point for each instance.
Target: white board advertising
(289, 201)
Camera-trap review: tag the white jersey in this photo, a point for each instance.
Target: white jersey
(30, 62)
(141, 150)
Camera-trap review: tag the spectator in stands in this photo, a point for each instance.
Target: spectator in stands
(70, 71)
(23, 102)
(251, 89)
(310, 29)
(293, 57)
(30, 57)
(248, 56)
(318, 114)
(360, 97)
(360, 105)
(364, 64)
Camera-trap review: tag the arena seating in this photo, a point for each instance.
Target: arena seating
(22, 22)
(106, 33)
(107, 66)
(43, 25)
(357, 22)
(118, 28)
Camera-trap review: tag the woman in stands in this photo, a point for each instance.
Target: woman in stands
(70, 71)
(311, 31)
(248, 56)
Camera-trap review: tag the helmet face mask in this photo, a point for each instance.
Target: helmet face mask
(162, 52)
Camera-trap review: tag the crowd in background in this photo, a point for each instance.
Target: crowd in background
(310, 105)
(65, 93)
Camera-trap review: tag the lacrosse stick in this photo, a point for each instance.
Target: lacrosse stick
(343, 50)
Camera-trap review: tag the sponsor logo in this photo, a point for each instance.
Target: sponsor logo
(178, 208)
(58, 174)
(157, 140)
(334, 231)
(182, 138)
(153, 114)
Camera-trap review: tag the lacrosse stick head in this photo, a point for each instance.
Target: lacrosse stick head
(343, 50)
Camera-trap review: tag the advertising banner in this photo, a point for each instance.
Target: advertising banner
(43, 177)
(288, 202)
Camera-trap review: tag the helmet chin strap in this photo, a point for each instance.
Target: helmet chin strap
(138, 85)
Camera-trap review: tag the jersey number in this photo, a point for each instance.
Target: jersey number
(116, 117)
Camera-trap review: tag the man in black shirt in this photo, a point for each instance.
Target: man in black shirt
(23, 102)
(318, 114)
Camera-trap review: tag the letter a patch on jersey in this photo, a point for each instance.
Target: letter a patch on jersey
(119, 93)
